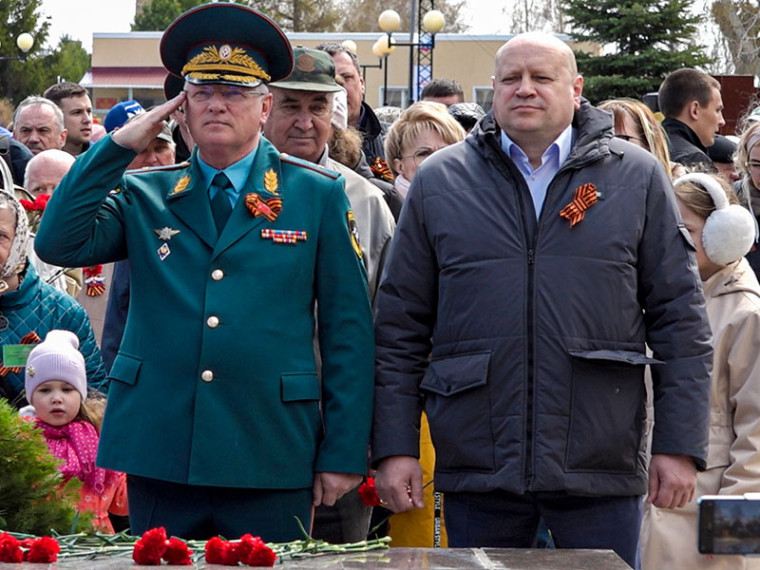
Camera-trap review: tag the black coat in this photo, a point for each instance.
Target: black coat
(524, 339)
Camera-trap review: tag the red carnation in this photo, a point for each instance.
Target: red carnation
(216, 551)
(151, 547)
(44, 550)
(259, 554)
(232, 554)
(10, 549)
(26, 545)
(144, 555)
(177, 553)
(368, 493)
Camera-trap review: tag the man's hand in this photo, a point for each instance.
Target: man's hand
(399, 483)
(329, 487)
(672, 479)
(139, 132)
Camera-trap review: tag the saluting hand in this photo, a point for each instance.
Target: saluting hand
(140, 131)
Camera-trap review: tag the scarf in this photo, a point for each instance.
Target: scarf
(17, 257)
(76, 444)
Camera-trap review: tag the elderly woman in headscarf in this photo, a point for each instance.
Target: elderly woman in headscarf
(747, 163)
(29, 308)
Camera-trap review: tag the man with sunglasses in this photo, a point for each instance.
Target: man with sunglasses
(215, 409)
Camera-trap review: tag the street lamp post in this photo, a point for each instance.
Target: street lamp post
(24, 42)
(429, 25)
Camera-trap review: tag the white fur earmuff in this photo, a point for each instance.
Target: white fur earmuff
(729, 231)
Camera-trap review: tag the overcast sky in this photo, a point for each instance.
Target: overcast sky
(81, 18)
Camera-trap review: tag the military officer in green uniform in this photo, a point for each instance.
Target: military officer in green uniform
(215, 411)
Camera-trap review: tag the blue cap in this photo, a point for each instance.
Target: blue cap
(121, 113)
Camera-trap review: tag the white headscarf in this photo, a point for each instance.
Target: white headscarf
(17, 257)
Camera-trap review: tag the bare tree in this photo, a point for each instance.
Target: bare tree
(536, 15)
(739, 25)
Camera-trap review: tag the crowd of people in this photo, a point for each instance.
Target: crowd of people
(533, 324)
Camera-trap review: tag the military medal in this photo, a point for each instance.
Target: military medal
(585, 197)
(283, 236)
(166, 233)
(163, 251)
(269, 209)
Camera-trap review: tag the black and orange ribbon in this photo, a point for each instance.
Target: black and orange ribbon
(94, 280)
(381, 169)
(270, 209)
(29, 338)
(585, 197)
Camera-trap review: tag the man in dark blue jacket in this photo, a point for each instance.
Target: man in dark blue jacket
(531, 266)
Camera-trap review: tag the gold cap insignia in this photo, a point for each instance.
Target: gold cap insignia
(224, 63)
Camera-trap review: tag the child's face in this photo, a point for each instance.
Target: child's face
(56, 402)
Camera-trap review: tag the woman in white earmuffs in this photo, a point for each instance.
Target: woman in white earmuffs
(723, 232)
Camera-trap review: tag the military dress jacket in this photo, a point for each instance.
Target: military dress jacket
(215, 381)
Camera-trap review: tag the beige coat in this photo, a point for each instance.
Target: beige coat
(669, 537)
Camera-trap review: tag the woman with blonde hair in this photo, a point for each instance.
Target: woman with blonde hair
(422, 129)
(635, 122)
(722, 232)
(747, 161)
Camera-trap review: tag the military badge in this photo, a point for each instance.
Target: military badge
(354, 231)
(305, 63)
(269, 209)
(181, 185)
(283, 236)
(585, 197)
(163, 251)
(270, 181)
(166, 233)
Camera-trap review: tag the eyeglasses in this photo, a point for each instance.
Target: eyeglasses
(421, 155)
(629, 138)
(230, 95)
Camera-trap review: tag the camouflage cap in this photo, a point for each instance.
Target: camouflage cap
(314, 71)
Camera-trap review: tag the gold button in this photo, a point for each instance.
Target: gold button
(207, 376)
(217, 274)
(212, 321)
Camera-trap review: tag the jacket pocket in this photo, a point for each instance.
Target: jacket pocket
(457, 404)
(296, 387)
(607, 411)
(125, 369)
